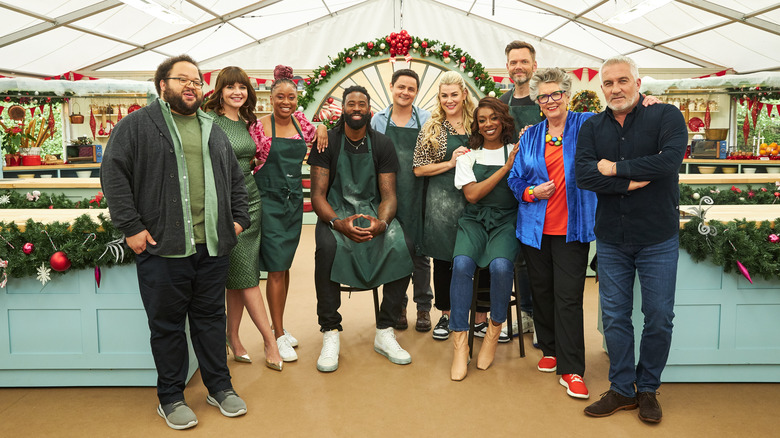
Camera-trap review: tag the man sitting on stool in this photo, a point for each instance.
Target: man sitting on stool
(357, 242)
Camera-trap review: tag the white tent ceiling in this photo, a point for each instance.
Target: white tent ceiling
(49, 37)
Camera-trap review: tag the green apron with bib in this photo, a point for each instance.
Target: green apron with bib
(384, 258)
(409, 188)
(525, 115)
(443, 205)
(486, 230)
(279, 182)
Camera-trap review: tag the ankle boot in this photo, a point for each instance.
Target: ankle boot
(488, 350)
(460, 358)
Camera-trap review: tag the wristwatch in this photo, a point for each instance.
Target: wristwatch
(332, 224)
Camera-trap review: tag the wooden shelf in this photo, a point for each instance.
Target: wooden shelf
(52, 167)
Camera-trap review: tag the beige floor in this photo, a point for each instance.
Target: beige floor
(369, 396)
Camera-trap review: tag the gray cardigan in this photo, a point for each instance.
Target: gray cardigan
(140, 181)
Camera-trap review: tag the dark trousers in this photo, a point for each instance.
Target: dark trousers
(442, 277)
(557, 274)
(173, 289)
(329, 293)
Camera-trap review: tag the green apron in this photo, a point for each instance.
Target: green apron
(408, 186)
(486, 230)
(525, 115)
(443, 205)
(384, 258)
(279, 182)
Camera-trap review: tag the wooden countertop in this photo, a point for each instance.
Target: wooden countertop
(52, 167)
(51, 183)
(730, 178)
(19, 217)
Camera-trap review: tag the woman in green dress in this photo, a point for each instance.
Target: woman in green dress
(282, 138)
(486, 229)
(232, 106)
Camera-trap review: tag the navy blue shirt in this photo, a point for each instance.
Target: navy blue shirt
(648, 147)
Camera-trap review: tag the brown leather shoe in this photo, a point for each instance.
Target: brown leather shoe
(402, 323)
(423, 321)
(649, 408)
(610, 403)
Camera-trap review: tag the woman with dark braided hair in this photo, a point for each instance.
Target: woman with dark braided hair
(282, 138)
(232, 107)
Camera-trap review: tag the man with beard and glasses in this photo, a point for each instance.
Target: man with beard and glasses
(630, 155)
(177, 193)
(358, 242)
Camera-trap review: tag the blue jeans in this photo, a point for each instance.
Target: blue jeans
(656, 265)
(462, 289)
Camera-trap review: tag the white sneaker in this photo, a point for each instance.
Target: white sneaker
(285, 349)
(386, 345)
(329, 356)
(504, 336)
(290, 338)
(528, 322)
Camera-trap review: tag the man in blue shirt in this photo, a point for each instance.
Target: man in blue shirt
(630, 155)
(402, 121)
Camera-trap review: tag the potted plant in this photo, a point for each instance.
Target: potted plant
(12, 140)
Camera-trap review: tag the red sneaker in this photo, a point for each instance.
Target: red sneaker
(547, 364)
(575, 386)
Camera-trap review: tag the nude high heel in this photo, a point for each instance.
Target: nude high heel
(489, 344)
(460, 358)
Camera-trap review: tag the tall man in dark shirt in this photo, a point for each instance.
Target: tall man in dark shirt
(630, 155)
(357, 241)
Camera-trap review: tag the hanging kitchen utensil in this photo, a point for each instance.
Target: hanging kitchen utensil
(119, 112)
(16, 112)
(109, 109)
(92, 121)
(76, 118)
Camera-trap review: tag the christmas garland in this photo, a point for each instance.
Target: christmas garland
(750, 247)
(388, 46)
(35, 199)
(766, 194)
(85, 243)
(584, 101)
(34, 97)
(755, 92)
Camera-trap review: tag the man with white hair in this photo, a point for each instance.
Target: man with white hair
(630, 155)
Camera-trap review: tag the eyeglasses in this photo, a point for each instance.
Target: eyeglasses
(555, 96)
(184, 82)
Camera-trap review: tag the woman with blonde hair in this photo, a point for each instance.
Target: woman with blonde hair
(232, 105)
(442, 139)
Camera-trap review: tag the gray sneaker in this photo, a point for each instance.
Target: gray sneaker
(228, 402)
(177, 415)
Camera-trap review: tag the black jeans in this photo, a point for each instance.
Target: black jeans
(557, 274)
(329, 293)
(173, 290)
(442, 277)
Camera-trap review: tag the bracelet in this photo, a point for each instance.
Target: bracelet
(531, 194)
(384, 222)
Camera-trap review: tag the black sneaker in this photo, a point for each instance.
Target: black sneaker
(480, 329)
(442, 330)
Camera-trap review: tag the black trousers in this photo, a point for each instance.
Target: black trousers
(173, 290)
(557, 274)
(329, 293)
(442, 277)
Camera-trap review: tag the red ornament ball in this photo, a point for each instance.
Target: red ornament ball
(59, 261)
(388, 38)
(774, 238)
(424, 44)
(348, 60)
(330, 100)
(404, 32)
(392, 52)
(370, 45)
(777, 194)
(462, 59)
(445, 54)
(28, 248)
(323, 73)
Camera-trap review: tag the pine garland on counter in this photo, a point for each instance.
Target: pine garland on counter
(763, 194)
(37, 199)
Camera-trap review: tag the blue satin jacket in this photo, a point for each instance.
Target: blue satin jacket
(530, 169)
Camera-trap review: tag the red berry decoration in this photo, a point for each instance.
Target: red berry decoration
(59, 261)
(445, 54)
(348, 60)
(462, 59)
(28, 248)
(323, 73)
(370, 45)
